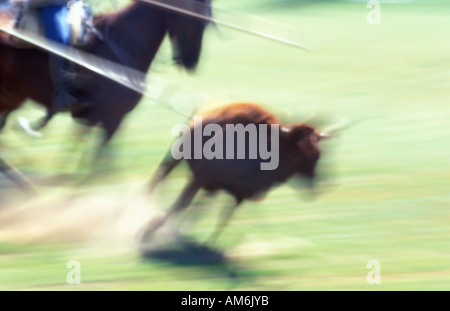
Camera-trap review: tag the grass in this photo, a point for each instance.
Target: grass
(384, 181)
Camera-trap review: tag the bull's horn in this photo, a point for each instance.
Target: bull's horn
(324, 136)
(285, 130)
(342, 124)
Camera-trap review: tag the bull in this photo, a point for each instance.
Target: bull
(241, 175)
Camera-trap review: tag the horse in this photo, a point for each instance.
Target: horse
(130, 37)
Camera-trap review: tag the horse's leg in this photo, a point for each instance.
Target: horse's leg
(183, 201)
(6, 104)
(80, 136)
(3, 118)
(42, 122)
(17, 177)
(76, 156)
(99, 162)
(110, 128)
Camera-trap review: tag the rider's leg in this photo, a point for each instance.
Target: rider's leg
(62, 100)
(54, 19)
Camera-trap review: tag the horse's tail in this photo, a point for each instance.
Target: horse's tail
(164, 169)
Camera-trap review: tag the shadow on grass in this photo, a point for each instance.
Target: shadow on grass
(186, 252)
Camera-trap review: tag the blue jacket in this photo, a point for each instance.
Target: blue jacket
(53, 16)
(56, 26)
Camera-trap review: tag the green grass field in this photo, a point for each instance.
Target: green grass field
(384, 187)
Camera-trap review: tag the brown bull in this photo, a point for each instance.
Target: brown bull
(295, 148)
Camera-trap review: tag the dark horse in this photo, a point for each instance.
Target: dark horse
(131, 37)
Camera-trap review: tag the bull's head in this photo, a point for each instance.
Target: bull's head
(303, 143)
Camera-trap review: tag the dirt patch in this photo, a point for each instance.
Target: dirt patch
(75, 216)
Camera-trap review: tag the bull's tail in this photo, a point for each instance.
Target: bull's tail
(164, 169)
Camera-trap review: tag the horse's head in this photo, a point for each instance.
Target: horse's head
(186, 32)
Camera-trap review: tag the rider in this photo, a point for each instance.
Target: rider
(53, 16)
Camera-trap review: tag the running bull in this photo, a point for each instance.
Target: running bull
(228, 149)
